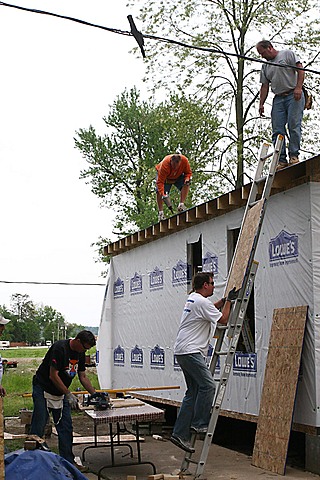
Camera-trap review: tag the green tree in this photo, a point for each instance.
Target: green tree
(53, 324)
(121, 163)
(35, 323)
(23, 326)
(228, 26)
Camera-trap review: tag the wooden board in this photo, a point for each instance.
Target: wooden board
(117, 403)
(106, 439)
(279, 389)
(125, 402)
(244, 247)
(13, 436)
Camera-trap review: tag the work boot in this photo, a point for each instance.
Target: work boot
(181, 207)
(161, 216)
(184, 444)
(293, 160)
(281, 165)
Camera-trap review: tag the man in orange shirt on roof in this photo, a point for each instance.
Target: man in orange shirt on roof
(173, 170)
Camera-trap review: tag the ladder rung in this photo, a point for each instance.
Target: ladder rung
(252, 204)
(221, 327)
(260, 180)
(189, 460)
(220, 353)
(267, 156)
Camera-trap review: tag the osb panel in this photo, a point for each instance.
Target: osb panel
(244, 247)
(1, 441)
(279, 389)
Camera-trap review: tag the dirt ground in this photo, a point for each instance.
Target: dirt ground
(222, 463)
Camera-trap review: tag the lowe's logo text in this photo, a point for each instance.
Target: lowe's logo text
(136, 284)
(136, 357)
(156, 279)
(245, 362)
(157, 358)
(118, 288)
(284, 248)
(210, 263)
(118, 356)
(181, 273)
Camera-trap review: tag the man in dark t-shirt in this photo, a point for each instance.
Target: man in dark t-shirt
(64, 360)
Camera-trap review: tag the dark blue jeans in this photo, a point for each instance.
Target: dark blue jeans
(286, 111)
(64, 425)
(196, 405)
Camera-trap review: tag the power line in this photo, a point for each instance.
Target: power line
(136, 34)
(57, 283)
(64, 17)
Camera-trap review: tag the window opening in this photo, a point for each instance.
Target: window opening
(247, 338)
(194, 259)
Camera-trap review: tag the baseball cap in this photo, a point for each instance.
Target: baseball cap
(3, 321)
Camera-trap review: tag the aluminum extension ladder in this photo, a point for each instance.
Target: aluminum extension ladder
(237, 315)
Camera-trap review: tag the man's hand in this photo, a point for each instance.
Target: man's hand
(73, 401)
(297, 93)
(233, 294)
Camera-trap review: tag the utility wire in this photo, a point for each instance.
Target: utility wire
(58, 283)
(139, 37)
(64, 17)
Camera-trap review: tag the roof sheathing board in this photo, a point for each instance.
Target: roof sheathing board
(285, 179)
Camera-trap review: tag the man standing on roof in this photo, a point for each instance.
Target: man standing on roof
(288, 103)
(173, 170)
(199, 319)
(64, 360)
(3, 322)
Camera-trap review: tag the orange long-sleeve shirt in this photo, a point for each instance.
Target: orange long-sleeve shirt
(166, 174)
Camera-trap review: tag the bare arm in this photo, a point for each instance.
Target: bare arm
(264, 90)
(85, 382)
(219, 304)
(225, 312)
(57, 382)
(300, 79)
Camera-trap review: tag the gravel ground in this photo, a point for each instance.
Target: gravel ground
(222, 463)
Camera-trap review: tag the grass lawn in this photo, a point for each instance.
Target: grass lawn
(18, 381)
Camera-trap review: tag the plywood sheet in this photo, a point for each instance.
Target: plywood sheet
(279, 389)
(244, 246)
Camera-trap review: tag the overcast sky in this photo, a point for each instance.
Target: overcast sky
(57, 76)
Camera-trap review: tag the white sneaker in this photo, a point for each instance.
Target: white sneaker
(161, 216)
(181, 207)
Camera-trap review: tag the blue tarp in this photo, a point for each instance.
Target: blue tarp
(39, 465)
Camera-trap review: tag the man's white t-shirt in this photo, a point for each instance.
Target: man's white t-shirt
(198, 319)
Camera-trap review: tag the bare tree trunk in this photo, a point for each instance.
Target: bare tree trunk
(240, 123)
